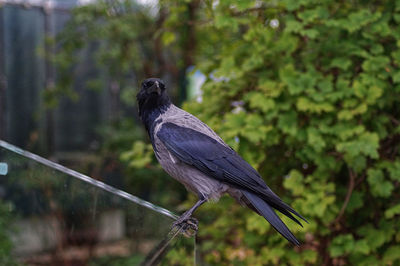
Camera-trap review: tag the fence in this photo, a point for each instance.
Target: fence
(25, 74)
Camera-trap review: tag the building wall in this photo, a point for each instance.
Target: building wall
(25, 74)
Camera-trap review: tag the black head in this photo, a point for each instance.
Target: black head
(152, 98)
(153, 86)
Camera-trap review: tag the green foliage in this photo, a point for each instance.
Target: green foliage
(318, 87)
(180, 251)
(6, 219)
(120, 43)
(320, 116)
(139, 156)
(114, 39)
(117, 261)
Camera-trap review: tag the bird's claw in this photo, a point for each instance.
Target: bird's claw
(188, 226)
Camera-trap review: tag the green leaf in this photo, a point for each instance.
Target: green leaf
(260, 101)
(375, 63)
(311, 15)
(310, 256)
(310, 33)
(226, 21)
(139, 156)
(257, 224)
(295, 182)
(379, 186)
(304, 104)
(355, 20)
(390, 213)
(315, 139)
(291, 4)
(341, 62)
(374, 237)
(394, 170)
(341, 244)
(366, 144)
(374, 93)
(168, 37)
(356, 201)
(391, 255)
(361, 246)
(396, 77)
(288, 123)
(293, 26)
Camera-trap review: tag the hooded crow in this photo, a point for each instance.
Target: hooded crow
(197, 157)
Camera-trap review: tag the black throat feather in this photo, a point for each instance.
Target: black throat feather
(150, 109)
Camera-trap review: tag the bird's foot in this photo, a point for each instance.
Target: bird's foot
(187, 225)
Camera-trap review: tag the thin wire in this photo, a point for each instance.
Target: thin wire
(88, 179)
(195, 250)
(160, 249)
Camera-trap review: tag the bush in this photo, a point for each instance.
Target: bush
(309, 93)
(7, 217)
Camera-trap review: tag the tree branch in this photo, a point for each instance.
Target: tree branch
(350, 189)
(394, 120)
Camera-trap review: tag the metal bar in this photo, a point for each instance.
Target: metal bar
(88, 179)
(3, 83)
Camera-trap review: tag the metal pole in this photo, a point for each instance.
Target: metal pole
(49, 79)
(3, 84)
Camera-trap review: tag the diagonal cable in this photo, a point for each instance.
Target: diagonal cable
(88, 179)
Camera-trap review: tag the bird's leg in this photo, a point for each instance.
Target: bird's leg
(186, 220)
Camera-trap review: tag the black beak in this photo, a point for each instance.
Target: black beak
(155, 88)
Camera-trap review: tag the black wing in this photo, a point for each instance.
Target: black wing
(220, 162)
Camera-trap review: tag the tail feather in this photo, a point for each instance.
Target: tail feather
(267, 212)
(279, 205)
(286, 212)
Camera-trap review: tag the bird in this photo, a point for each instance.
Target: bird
(193, 154)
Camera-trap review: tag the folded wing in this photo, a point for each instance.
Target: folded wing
(222, 163)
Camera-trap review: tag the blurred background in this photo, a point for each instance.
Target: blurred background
(306, 91)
